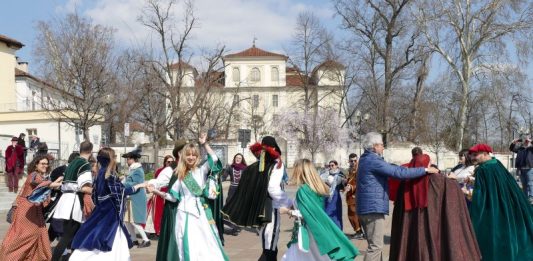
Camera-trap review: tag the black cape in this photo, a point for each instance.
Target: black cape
(251, 206)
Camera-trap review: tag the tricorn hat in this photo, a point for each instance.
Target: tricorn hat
(134, 154)
(178, 146)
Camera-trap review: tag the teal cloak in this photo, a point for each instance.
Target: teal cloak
(329, 238)
(501, 215)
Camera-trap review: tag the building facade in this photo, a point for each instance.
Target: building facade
(23, 107)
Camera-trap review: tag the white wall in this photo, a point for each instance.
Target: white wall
(49, 131)
(246, 65)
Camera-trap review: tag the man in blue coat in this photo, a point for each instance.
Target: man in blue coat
(373, 191)
(137, 212)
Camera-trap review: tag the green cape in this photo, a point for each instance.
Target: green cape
(501, 215)
(329, 238)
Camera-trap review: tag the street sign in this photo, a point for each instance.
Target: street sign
(126, 129)
(244, 137)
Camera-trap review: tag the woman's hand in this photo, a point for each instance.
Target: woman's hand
(56, 184)
(203, 138)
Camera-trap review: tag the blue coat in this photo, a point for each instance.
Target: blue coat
(372, 182)
(138, 199)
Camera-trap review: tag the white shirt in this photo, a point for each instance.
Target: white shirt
(68, 206)
(279, 197)
(463, 173)
(162, 179)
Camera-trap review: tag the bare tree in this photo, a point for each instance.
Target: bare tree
(172, 66)
(384, 30)
(76, 57)
(468, 34)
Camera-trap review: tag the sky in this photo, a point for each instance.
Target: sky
(234, 23)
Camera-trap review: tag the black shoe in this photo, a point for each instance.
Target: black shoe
(135, 243)
(358, 235)
(145, 244)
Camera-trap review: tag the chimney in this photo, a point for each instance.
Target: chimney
(23, 66)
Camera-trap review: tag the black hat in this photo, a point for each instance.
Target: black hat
(134, 154)
(178, 146)
(271, 142)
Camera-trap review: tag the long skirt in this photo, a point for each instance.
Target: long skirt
(333, 208)
(167, 248)
(27, 237)
(295, 254)
(442, 231)
(119, 252)
(190, 230)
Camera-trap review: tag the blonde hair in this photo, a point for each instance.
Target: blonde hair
(182, 170)
(305, 173)
(110, 154)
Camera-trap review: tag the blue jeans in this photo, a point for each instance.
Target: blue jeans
(526, 176)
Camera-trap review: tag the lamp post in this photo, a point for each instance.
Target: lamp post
(359, 119)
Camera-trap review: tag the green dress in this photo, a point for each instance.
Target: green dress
(167, 248)
(501, 215)
(316, 225)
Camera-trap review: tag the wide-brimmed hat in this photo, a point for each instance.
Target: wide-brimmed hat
(134, 154)
(178, 146)
(271, 142)
(14, 139)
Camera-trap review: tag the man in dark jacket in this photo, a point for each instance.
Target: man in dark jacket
(373, 191)
(524, 164)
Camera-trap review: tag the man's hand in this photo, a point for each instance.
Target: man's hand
(432, 170)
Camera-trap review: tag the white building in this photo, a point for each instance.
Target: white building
(23, 106)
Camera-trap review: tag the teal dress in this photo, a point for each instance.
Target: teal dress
(501, 215)
(138, 199)
(167, 248)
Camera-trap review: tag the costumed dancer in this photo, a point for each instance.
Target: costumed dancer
(351, 201)
(136, 209)
(501, 214)
(259, 196)
(336, 180)
(167, 247)
(430, 219)
(234, 171)
(194, 221)
(76, 183)
(104, 236)
(155, 203)
(27, 237)
(314, 236)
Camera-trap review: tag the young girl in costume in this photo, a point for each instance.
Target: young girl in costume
(194, 219)
(315, 236)
(104, 236)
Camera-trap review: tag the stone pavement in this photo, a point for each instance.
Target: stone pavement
(246, 246)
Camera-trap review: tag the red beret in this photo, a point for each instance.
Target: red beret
(480, 148)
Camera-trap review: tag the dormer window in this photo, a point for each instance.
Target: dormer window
(274, 74)
(236, 74)
(255, 75)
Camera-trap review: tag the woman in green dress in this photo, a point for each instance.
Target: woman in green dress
(315, 236)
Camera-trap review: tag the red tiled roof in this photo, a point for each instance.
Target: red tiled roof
(255, 52)
(182, 64)
(10, 42)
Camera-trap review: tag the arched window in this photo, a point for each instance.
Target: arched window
(236, 74)
(274, 74)
(255, 75)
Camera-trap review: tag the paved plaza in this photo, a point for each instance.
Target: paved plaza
(246, 246)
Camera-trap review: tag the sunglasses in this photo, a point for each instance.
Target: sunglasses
(170, 161)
